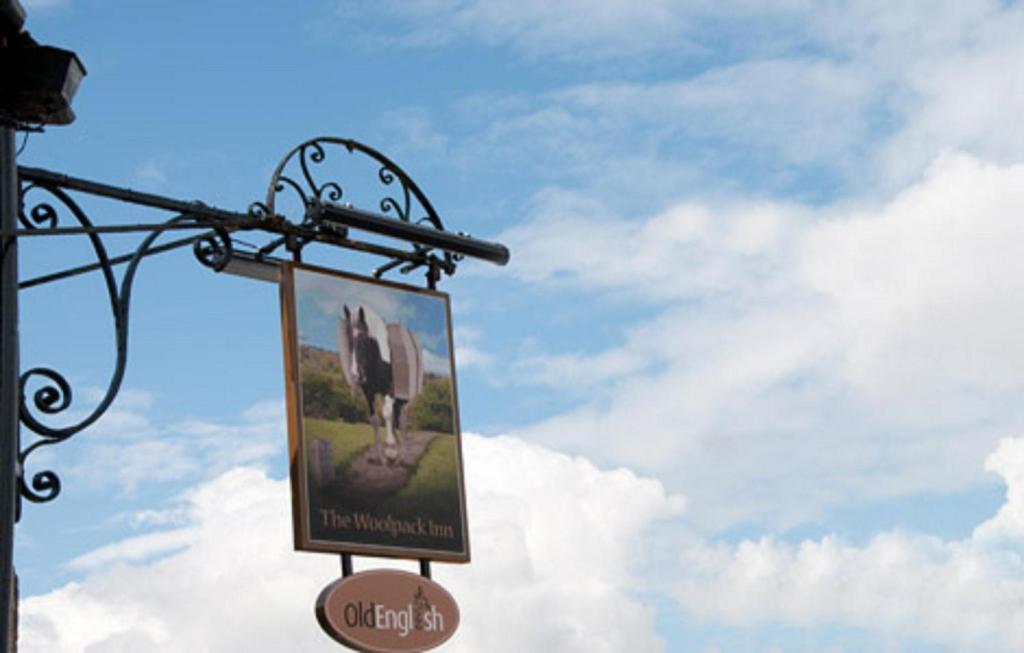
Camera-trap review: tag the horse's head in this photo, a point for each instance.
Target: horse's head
(358, 327)
(357, 332)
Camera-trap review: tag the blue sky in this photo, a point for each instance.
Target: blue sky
(751, 381)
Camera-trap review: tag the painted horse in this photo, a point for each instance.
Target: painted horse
(386, 361)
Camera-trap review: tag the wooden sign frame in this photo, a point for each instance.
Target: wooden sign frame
(343, 479)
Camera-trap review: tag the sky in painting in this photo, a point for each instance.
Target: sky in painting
(320, 301)
(750, 383)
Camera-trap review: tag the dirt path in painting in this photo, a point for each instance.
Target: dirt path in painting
(368, 481)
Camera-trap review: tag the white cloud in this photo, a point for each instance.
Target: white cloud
(124, 419)
(924, 287)
(964, 99)
(659, 139)
(151, 173)
(436, 364)
(852, 96)
(553, 539)
(864, 346)
(967, 595)
(1007, 526)
(150, 517)
(331, 296)
(134, 549)
(812, 80)
(613, 27)
(555, 544)
(468, 356)
(805, 109)
(125, 450)
(865, 350)
(684, 252)
(467, 349)
(418, 136)
(127, 466)
(618, 30)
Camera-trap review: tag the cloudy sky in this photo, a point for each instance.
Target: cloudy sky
(751, 382)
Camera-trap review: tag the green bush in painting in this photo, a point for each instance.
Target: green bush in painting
(432, 410)
(351, 407)
(327, 396)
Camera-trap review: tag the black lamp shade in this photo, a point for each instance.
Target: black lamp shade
(38, 83)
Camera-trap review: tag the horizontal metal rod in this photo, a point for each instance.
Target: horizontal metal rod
(430, 237)
(117, 260)
(232, 225)
(358, 245)
(115, 229)
(46, 177)
(387, 267)
(272, 245)
(233, 220)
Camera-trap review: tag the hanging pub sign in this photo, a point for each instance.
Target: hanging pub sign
(373, 421)
(385, 611)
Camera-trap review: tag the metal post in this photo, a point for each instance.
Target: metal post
(9, 390)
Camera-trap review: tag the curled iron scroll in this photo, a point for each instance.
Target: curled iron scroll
(301, 173)
(53, 395)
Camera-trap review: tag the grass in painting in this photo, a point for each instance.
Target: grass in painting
(347, 440)
(432, 488)
(430, 491)
(435, 472)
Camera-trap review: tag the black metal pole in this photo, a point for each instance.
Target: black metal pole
(9, 391)
(46, 177)
(383, 225)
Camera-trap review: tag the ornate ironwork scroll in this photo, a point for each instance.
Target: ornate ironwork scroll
(55, 395)
(302, 173)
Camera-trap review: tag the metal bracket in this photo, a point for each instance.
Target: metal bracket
(346, 566)
(405, 215)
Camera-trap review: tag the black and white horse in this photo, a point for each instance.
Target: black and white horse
(366, 357)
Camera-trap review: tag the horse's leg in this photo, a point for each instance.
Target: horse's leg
(390, 444)
(402, 421)
(374, 422)
(402, 417)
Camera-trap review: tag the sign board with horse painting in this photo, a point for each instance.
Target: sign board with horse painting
(373, 421)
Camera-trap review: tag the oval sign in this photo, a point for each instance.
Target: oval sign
(386, 611)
